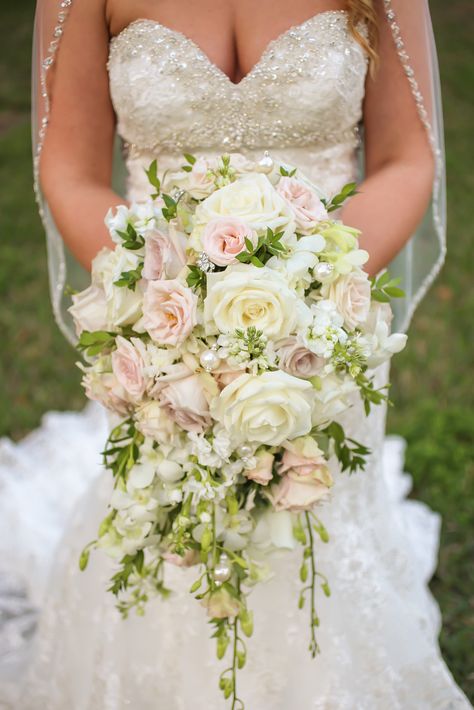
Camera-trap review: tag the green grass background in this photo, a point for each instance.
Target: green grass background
(432, 386)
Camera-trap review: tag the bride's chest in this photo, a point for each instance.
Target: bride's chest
(306, 89)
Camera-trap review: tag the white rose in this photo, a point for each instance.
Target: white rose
(199, 182)
(252, 198)
(351, 294)
(243, 296)
(267, 408)
(89, 309)
(151, 420)
(123, 304)
(332, 397)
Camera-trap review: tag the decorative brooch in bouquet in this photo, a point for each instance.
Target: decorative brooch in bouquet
(228, 329)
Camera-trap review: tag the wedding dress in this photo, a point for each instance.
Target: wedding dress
(378, 632)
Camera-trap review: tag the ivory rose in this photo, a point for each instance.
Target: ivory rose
(305, 203)
(169, 311)
(199, 182)
(296, 359)
(351, 294)
(267, 408)
(243, 296)
(252, 199)
(89, 309)
(128, 366)
(123, 304)
(223, 238)
(186, 403)
(262, 473)
(152, 420)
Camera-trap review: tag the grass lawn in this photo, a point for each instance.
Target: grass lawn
(431, 380)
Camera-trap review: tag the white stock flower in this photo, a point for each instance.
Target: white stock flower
(381, 344)
(326, 329)
(244, 296)
(141, 215)
(274, 529)
(267, 408)
(301, 256)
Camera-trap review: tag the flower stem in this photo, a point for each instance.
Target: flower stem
(313, 646)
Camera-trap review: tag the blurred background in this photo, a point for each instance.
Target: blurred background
(432, 380)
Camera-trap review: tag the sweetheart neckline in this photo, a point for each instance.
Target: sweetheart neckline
(212, 65)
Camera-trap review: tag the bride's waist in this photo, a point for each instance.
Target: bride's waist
(329, 167)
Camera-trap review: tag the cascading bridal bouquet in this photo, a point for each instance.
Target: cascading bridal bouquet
(229, 327)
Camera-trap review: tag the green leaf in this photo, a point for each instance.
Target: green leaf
(383, 280)
(380, 296)
(84, 559)
(190, 158)
(394, 292)
(256, 261)
(152, 175)
(196, 585)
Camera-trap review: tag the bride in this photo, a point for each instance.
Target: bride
(320, 83)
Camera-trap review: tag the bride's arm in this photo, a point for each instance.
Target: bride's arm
(398, 158)
(76, 159)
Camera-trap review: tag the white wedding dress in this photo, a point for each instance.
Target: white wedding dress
(379, 629)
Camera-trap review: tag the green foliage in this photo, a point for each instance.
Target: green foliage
(385, 288)
(169, 211)
(153, 179)
(338, 200)
(130, 278)
(196, 278)
(266, 247)
(350, 453)
(96, 342)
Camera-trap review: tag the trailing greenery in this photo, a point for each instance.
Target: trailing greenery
(432, 390)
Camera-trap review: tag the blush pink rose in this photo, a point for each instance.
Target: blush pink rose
(185, 402)
(224, 237)
(351, 293)
(157, 251)
(304, 467)
(263, 471)
(169, 311)
(296, 359)
(128, 366)
(307, 208)
(106, 389)
(164, 256)
(296, 495)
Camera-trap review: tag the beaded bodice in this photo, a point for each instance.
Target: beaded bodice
(302, 100)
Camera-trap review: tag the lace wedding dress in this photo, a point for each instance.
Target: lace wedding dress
(379, 629)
